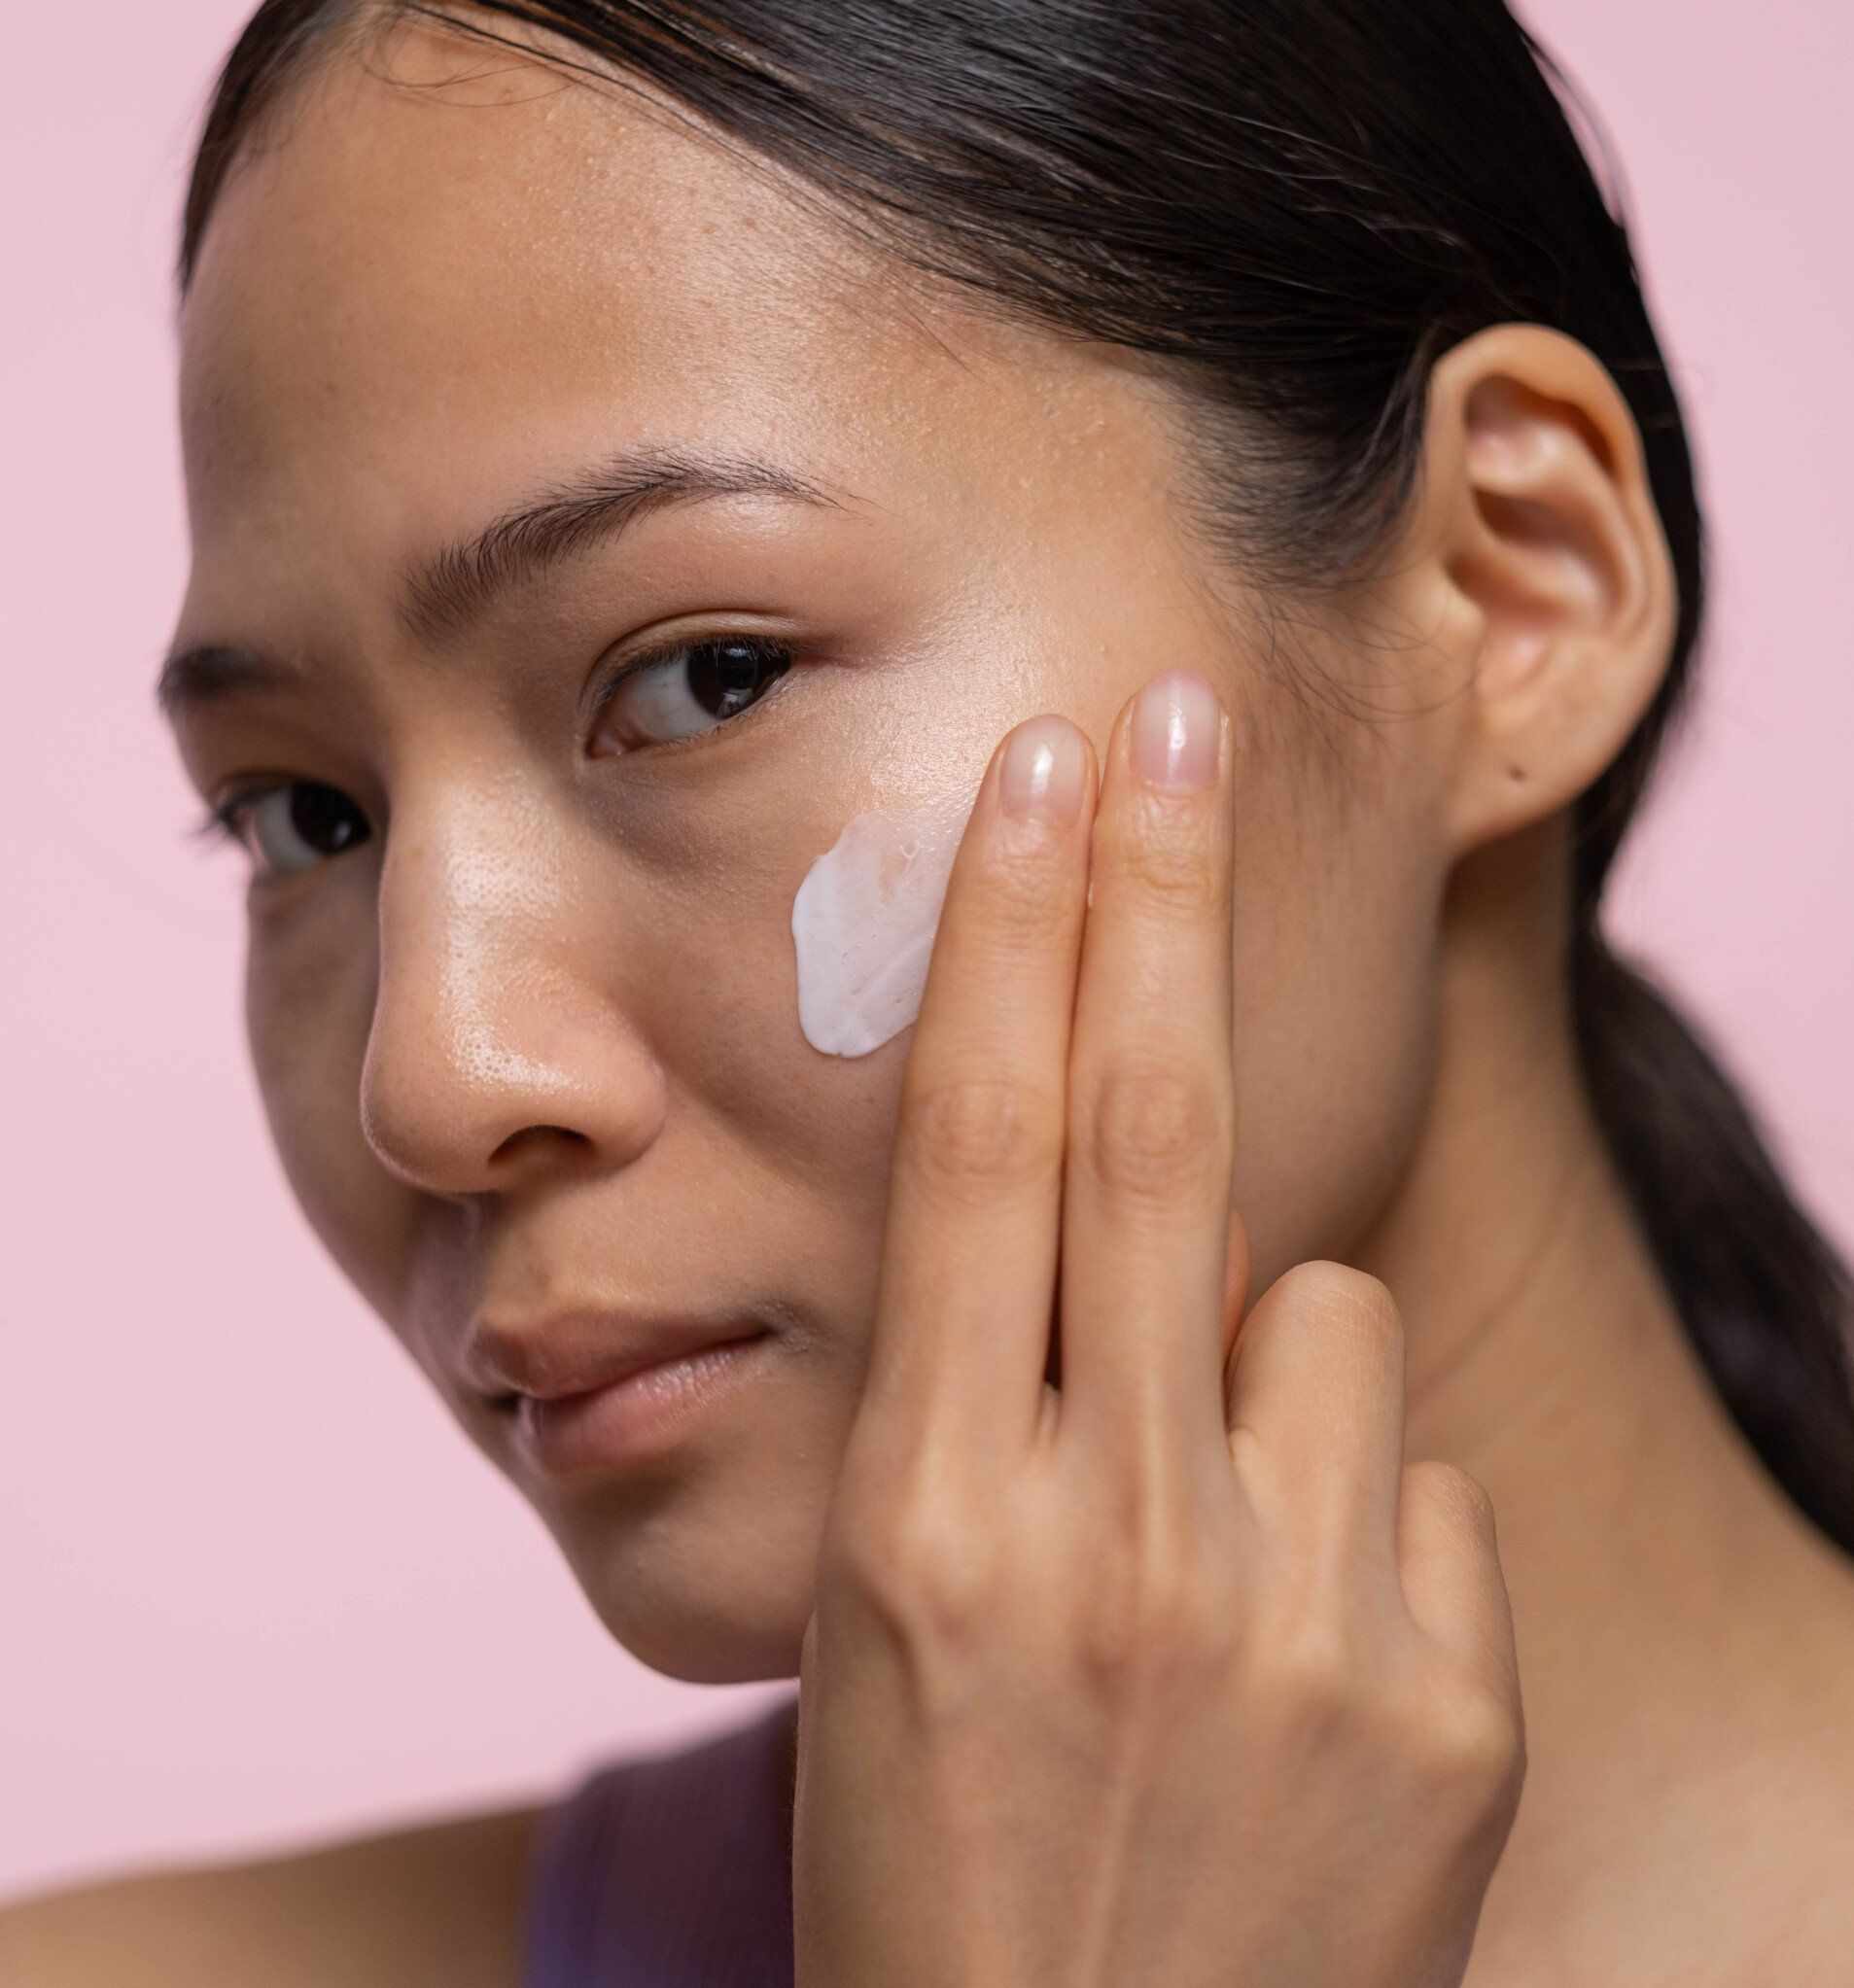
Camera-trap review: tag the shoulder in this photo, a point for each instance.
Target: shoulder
(439, 1902)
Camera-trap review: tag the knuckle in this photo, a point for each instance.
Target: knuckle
(1470, 1739)
(1164, 862)
(1149, 1135)
(1110, 1642)
(1337, 1294)
(1154, 1626)
(1466, 1498)
(1312, 1674)
(978, 1136)
(907, 1563)
(1030, 899)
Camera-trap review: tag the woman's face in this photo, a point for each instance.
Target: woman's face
(522, 993)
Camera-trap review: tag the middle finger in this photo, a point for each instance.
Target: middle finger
(1151, 1091)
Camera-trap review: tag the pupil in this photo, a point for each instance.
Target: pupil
(725, 675)
(324, 817)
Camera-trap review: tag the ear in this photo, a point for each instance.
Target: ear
(1541, 530)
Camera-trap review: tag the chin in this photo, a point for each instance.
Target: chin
(704, 1612)
(701, 1644)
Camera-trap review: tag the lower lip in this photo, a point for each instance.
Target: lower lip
(644, 1415)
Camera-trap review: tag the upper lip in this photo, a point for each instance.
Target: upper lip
(574, 1352)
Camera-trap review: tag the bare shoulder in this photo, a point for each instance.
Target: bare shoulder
(438, 1903)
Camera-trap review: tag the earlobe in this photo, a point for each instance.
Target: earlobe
(1548, 533)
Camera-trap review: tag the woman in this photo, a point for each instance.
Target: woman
(651, 470)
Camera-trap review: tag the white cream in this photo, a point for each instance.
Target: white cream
(863, 922)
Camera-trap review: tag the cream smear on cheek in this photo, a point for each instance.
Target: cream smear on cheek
(863, 922)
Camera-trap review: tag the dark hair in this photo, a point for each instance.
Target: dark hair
(1293, 208)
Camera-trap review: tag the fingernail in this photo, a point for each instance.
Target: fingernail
(1042, 771)
(1174, 732)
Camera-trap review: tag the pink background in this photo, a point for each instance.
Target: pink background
(254, 1587)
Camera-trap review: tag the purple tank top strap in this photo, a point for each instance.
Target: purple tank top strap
(669, 1870)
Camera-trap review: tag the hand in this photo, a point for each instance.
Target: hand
(1174, 1675)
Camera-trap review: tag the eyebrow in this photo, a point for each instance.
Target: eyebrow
(443, 595)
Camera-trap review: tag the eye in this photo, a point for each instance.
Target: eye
(688, 688)
(292, 825)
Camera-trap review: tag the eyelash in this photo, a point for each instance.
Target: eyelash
(219, 821)
(633, 665)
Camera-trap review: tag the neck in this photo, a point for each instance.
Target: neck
(1669, 1602)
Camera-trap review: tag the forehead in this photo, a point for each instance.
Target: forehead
(448, 269)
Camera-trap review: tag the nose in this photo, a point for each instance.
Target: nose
(499, 1045)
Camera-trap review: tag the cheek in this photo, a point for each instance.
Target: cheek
(1337, 1015)
(781, 981)
(797, 885)
(723, 1018)
(309, 987)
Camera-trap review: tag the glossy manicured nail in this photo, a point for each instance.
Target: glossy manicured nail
(1042, 771)
(1174, 733)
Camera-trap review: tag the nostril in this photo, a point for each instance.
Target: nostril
(520, 1141)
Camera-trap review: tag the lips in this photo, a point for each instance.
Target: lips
(568, 1354)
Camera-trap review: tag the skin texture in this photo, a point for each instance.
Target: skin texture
(537, 1047)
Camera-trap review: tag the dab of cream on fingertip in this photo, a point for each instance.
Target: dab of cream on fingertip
(863, 922)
